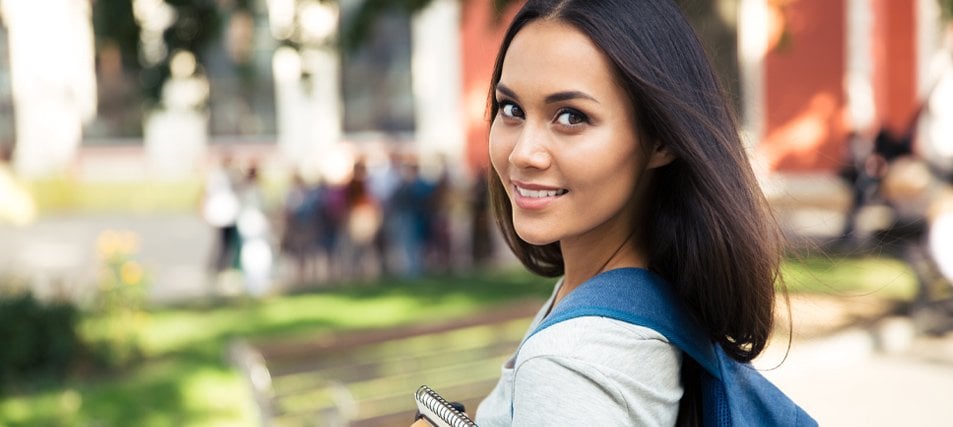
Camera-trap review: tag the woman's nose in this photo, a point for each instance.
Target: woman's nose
(530, 150)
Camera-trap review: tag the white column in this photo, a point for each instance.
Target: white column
(290, 103)
(307, 85)
(859, 74)
(437, 83)
(929, 38)
(52, 79)
(324, 90)
(175, 134)
(753, 45)
(934, 86)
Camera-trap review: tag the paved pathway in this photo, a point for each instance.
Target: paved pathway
(883, 376)
(58, 254)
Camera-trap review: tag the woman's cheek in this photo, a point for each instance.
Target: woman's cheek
(499, 150)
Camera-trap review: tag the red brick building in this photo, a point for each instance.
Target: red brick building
(811, 71)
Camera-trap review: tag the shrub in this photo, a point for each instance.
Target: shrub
(38, 342)
(118, 308)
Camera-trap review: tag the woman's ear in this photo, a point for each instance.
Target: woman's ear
(660, 156)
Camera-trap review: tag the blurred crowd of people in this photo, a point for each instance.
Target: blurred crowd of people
(384, 219)
(917, 191)
(910, 172)
(234, 205)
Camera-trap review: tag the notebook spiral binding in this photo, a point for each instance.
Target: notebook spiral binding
(442, 408)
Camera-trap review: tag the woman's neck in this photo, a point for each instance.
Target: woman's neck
(583, 260)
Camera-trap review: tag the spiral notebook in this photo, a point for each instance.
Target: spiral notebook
(438, 411)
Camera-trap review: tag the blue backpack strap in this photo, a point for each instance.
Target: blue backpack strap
(640, 297)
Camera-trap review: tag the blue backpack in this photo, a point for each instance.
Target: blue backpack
(732, 393)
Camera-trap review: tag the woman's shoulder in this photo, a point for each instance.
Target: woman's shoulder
(600, 365)
(600, 341)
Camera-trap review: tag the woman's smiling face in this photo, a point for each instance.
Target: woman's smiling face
(564, 141)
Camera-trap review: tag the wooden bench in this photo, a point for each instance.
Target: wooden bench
(368, 378)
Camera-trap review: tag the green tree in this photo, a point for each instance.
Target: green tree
(197, 23)
(358, 29)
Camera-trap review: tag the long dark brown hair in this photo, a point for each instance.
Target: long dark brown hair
(709, 231)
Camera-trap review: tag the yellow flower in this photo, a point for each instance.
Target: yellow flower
(107, 243)
(130, 273)
(128, 242)
(117, 244)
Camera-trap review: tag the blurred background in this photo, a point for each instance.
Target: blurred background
(273, 212)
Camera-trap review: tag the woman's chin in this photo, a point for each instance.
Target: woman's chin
(534, 237)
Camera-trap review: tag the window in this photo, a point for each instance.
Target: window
(238, 66)
(376, 80)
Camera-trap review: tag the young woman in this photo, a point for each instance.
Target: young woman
(613, 147)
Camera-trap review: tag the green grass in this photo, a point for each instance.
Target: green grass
(186, 381)
(886, 278)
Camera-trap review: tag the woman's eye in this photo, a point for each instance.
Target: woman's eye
(570, 118)
(510, 109)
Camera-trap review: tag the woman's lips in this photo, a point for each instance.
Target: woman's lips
(525, 192)
(534, 197)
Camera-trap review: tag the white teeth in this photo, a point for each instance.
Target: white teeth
(539, 193)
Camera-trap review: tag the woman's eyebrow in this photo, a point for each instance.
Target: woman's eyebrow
(552, 98)
(568, 95)
(506, 91)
